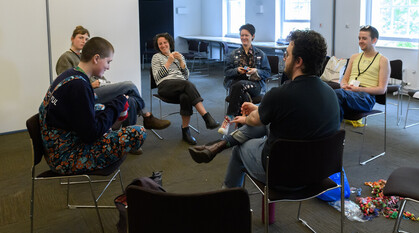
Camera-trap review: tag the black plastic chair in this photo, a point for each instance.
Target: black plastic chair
(403, 182)
(411, 96)
(161, 99)
(354, 116)
(397, 89)
(38, 152)
(221, 211)
(197, 50)
(275, 71)
(302, 168)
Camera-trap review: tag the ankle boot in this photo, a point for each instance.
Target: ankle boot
(210, 123)
(187, 137)
(206, 153)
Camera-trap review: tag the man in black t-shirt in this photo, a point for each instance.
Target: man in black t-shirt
(305, 108)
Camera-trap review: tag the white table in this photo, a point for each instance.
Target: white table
(222, 40)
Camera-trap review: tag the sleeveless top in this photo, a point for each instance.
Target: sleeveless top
(369, 78)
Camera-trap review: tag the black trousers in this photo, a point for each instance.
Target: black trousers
(238, 95)
(180, 91)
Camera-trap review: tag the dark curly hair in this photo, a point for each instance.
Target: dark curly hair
(311, 47)
(168, 37)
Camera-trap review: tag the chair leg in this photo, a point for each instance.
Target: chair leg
(120, 181)
(399, 217)
(32, 199)
(363, 140)
(97, 209)
(407, 111)
(302, 220)
(266, 204)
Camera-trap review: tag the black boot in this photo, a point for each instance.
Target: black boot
(206, 153)
(210, 122)
(187, 137)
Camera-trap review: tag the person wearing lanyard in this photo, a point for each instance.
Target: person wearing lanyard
(366, 76)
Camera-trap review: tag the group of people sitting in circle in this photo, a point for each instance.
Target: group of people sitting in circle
(88, 123)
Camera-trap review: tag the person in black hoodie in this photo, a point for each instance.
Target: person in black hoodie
(78, 138)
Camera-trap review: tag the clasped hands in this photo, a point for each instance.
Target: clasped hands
(249, 71)
(246, 109)
(175, 55)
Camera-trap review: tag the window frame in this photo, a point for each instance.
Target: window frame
(368, 21)
(282, 19)
(228, 32)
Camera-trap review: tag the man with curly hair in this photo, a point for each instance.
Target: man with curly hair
(305, 108)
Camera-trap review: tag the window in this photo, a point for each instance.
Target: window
(295, 14)
(397, 21)
(235, 10)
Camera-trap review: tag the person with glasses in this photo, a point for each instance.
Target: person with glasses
(107, 91)
(304, 108)
(245, 73)
(367, 75)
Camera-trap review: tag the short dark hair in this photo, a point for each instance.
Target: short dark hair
(96, 45)
(80, 30)
(249, 27)
(168, 37)
(373, 31)
(311, 47)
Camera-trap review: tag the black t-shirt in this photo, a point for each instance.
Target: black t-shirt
(305, 108)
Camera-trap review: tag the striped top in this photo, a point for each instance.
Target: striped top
(369, 78)
(161, 73)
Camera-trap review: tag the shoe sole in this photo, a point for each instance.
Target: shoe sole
(158, 128)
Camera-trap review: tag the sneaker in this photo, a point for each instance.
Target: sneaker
(225, 126)
(151, 122)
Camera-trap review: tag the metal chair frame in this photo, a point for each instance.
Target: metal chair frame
(411, 93)
(265, 190)
(37, 155)
(156, 96)
(372, 113)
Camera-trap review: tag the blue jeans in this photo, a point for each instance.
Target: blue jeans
(247, 155)
(350, 102)
(109, 92)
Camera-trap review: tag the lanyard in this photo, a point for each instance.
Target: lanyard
(359, 72)
(75, 53)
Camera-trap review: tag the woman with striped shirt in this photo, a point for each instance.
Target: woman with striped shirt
(171, 76)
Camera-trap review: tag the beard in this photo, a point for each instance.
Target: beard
(288, 70)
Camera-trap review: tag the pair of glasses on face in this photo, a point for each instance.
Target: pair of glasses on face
(285, 55)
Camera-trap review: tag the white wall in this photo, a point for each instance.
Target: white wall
(116, 21)
(264, 22)
(24, 68)
(23, 61)
(188, 23)
(347, 27)
(321, 13)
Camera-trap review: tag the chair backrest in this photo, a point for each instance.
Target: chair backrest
(152, 81)
(193, 46)
(396, 69)
(226, 210)
(303, 162)
(274, 64)
(203, 46)
(34, 130)
(381, 99)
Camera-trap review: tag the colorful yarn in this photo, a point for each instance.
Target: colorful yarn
(379, 204)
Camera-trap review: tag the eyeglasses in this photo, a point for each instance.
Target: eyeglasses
(365, 27)
(285, 55)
